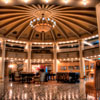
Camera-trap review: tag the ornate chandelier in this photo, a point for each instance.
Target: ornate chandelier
(42, 24)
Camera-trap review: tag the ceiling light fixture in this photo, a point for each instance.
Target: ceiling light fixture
(47, 1)
(42, 24)
(26, 1)
(6, 1)
(66, 1)
(84, 2)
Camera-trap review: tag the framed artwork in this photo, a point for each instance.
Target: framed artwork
(70, 68)
(87, 67)
(92, 66)
(76, 67)
(63, 68)
(19, 67)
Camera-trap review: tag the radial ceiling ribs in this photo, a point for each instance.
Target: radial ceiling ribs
(82, 18)
(39, 6)
(76, 14)
(12, 21)
(63, 33)
(14, 16)
(23, 30)
(34, 6)
(75, 23)
(51, 7)
(68, 27)
(29, 7)
(53, 34)
(60, 8)
(66, 19)
(87, 13)
(17, 25)
(43, 6)
(59, 25)
(21, 8)
(46, 6)
(82, 12)
(31, 34)
(13, 11)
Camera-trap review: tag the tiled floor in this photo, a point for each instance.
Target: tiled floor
(47, 91)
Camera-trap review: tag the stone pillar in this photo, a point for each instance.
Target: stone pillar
(82, 60)
(98, 20)
(2, 59)
(55, 67)
(25, 69)
(29, 58)
(28, 61)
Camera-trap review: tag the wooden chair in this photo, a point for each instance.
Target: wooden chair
(93, 88)
(17, 76)
(37, 79)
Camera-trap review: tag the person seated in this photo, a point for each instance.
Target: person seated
(42, 75)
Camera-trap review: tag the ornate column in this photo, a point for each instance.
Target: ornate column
(27, 64)
(82, 60)
(98, 20)
(29, 57)
(2, 59)
(82, 68)
(55, 67)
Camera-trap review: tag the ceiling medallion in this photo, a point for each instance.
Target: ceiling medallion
(42, 24)
(38, 12)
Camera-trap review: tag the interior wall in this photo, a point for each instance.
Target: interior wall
(68, 55)
(42, 56)
(87, 63)
(66, 64)
(10, 54)
(91, 52)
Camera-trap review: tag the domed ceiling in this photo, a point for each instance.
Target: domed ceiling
(71, 22)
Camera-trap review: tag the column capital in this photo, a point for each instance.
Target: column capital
(29, 43)
(3, 42)
(81, 40)
(28, 46)
(55, 43)
(81, 44)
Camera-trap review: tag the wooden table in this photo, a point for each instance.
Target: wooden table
(27, 76)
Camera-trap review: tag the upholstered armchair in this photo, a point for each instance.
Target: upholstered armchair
(93, 88)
